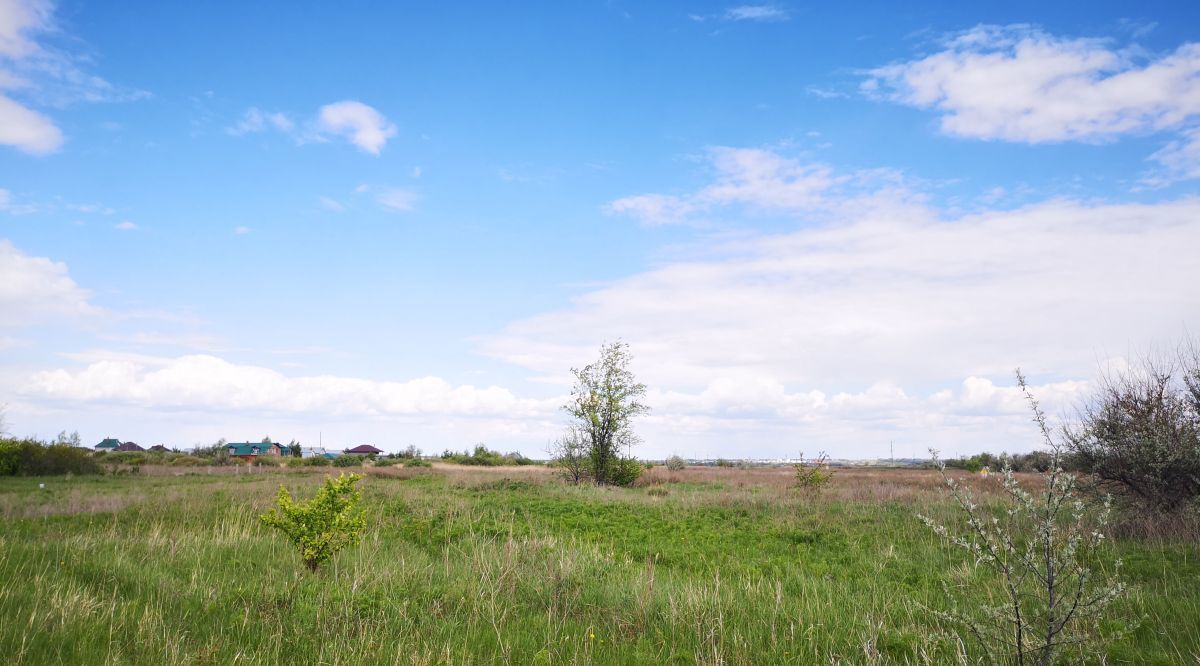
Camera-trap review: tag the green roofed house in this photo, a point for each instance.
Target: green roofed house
(253, 450)
(109, 444)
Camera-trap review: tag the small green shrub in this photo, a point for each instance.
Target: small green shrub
(658, 491)
(125, 458)
(625, 471)
(484, 457)
(417, 462)
(387, 462)
(813, 475)
(320, 527)
(317, 461)
(676, 464)
(188, 461)
(347, 461)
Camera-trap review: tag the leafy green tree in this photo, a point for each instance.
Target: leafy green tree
(604, 402)
(320, 527)
(294, 449)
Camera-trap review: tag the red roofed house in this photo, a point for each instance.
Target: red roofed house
(363, 450)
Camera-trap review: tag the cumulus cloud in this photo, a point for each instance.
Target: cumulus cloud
(26, 129)
(204, 382)
(1018, 83)
(36, 288)
(358, 123)
(895, 293)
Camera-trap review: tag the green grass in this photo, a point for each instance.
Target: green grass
(471, 567)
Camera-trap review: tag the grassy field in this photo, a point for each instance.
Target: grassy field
(508, 565)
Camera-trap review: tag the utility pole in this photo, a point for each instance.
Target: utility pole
(892, 451)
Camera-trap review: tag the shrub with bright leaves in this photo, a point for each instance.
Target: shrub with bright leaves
(322, 526)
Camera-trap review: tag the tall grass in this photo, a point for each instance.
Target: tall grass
(503, 565)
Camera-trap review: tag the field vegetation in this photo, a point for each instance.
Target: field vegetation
(476, 564)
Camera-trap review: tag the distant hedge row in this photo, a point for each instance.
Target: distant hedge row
(29, 457)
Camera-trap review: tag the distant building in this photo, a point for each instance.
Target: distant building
(159, 448)
(109, 444)
(312, 451)
(251, 451)
(129, 446)
(363, 450)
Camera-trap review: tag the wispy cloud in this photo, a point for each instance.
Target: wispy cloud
(398, 200)
(331, 205)
(760, 179)
(756, 13)
(257, 120)
(34, 73)
(125, 225)
(359, 124)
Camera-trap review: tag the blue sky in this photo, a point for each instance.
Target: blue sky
(817, 227)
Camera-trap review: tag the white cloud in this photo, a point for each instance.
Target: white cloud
(208, 383)
(884, 296)
(36, 288)
(331, 205)
(764, 180)
(241, 231)
(1020, 84)
(1178, 160)
(353, 121)
(44, 75)
(398, 200)
(27, 130)
(654, 208)
(20, 21)
(257, 120)
(358, 123)
(125, 225)
(756, 13)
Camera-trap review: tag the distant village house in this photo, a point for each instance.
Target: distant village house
(250, 451)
